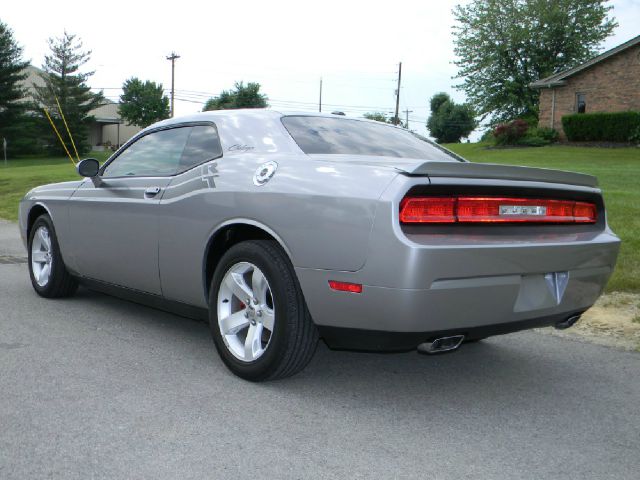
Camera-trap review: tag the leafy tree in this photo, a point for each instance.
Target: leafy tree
(242, 96)
(12, 109)
(143, 103)
(64, 81)
(502, 46)
(381, 117)
(449, 122)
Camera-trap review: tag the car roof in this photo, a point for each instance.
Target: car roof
(213, 115)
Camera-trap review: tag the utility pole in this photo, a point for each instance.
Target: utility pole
(320, 101)
(173, 57)
(396, 119)
(407, 112)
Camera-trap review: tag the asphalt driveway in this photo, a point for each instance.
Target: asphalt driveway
(95, 387)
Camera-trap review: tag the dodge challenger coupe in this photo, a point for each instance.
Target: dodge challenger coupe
(281, 229)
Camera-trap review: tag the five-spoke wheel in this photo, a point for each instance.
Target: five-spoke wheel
(245, 311)
(41, 257)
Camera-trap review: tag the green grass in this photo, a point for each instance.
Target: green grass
(618, 172)
(23, 174)
(617, 169)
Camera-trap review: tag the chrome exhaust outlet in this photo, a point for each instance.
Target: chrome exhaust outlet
(569, 322)
(441, 345)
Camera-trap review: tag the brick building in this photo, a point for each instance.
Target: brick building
(609, 82)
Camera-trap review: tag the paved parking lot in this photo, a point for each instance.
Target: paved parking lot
(95, 387)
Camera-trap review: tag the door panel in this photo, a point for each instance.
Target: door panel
(115, 231)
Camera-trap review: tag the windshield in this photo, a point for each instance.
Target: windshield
(342, 136)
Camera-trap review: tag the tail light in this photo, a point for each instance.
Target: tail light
(464, 209)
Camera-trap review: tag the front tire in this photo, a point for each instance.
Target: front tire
(257, 314)
(49, 276)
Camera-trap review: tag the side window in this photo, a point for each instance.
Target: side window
(581, 103)
(203, 145)
(155, 154)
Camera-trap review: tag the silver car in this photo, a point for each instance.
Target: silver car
(281, 229)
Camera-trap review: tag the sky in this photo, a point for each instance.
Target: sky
(286, 46)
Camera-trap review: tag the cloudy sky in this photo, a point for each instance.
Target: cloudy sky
(286, 46)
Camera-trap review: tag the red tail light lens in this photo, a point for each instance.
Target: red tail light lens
(584, 212)
(494, 210)
(428, 210)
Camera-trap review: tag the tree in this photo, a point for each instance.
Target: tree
(12, 108)
(449, 122)
(143, 103)
(502, 46)
(381, 117)
(241, 97)
(64, 81)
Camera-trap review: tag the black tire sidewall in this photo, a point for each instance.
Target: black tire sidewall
(282, 293)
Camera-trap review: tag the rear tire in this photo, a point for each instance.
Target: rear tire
(259, 320)
(48, 273)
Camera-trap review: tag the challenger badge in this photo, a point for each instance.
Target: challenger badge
(522, 210)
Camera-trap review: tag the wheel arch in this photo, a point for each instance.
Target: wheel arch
(229, 234)
(34, 212)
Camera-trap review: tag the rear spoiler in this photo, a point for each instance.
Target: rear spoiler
(502, 172)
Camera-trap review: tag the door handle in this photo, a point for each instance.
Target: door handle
(152, 192)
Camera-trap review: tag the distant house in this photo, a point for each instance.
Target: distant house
(609, 82)
(107, 129)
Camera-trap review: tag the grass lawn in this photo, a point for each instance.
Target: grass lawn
(23, 174)
(618, 170)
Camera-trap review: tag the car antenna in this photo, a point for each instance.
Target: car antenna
(46, 112)
(67, 127)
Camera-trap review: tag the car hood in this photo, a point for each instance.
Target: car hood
(457, 169)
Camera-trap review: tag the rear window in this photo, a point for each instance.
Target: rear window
(342, 136)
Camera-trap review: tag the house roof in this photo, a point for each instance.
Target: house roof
(559, 79)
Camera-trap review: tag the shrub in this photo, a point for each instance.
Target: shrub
(550, 135)
(510, 133)
(635, 136)
(601, 127)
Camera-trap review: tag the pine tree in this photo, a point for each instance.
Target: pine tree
(64, 80)
(12, 106)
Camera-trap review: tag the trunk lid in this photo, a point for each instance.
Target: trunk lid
(439, 167)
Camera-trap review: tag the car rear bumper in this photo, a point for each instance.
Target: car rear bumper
(475, 290)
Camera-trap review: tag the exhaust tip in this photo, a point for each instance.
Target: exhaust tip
(568, 322)
(441, 345)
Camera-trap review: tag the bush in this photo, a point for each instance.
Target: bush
(519, 133)
(510, 133)
(550, 135)
(635, 136)
(601, 127)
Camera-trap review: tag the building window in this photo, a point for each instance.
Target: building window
(581, 103)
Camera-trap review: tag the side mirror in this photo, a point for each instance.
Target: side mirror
(89, 167)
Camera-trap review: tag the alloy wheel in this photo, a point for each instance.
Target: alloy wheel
(245, 311)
